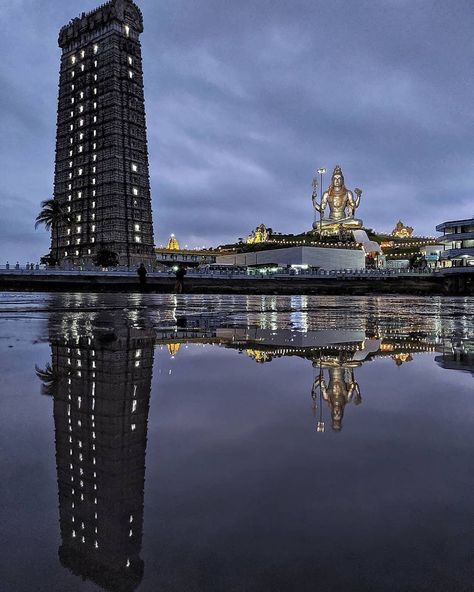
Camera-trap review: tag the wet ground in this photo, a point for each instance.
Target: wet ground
(237, 443)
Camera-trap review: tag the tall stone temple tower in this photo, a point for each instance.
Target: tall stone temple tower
(101, 173)
(101, 392)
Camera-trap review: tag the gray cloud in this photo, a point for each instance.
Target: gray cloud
(245, 100)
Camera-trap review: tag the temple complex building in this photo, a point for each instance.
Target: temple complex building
(101, 171)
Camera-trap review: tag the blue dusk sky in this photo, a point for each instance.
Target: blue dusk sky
(246, 99)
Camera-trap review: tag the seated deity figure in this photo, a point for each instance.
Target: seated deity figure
(342, 205)
(341, 389)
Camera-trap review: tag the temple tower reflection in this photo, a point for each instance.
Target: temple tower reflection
(102, 368)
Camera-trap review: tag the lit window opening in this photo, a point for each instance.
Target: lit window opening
(130, 60)
(130, 74)
(138, 239)
(96, 48)
(137, 227)
(135, 191)
(127, 30)
(83, 53)
(73, 59)
(134, 167)
(79, 194)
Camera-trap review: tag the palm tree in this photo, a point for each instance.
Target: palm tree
(51, 215)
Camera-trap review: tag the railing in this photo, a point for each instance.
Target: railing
(41, 270)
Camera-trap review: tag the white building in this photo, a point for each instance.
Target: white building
(328, 258)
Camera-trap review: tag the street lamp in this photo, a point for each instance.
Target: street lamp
(321, 172)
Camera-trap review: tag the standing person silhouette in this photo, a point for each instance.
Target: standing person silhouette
(180, 273)
(141, 271)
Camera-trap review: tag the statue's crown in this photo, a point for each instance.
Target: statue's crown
(337, 170)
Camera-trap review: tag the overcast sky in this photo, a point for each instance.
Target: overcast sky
(246, 99)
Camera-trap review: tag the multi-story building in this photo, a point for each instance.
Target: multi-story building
(101, 173)
(458, 241)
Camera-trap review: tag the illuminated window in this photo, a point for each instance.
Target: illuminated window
(135, 191)
(70, 175)
(70, 152)
(80, 171)
(77, 255)
(81, 136)
(81, 108)
(72, 100)
(82, 67)
(79, 194)
(69, 209)
(69, 232)
(127, 30)
(65, 253)
(73, 74)
(70, 164)
(138, 239)
(81, 122)
(93, 227)
(95, 77)
(134, 406)
(71, 127)
(92, 240)
(72, 87)
(93, 193)
(94, 119)
(81, 94)
(93, 204)
(78, 218)
(94, 157)
(93, 181)
(94, 146)
(69, 187)
(83, 53)
(94, 133)
(94, 169)
(96, 48)
(94, 105)
(81, 148)
(71, 140)
(134, 167)
(95, 63)
(137, 227)
(134, 427)
(95, 91)
(130, 60)
(69, 197)
(130, 74)
(73, 59)
(78, 229)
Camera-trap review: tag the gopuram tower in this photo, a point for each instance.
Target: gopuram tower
(101, 170)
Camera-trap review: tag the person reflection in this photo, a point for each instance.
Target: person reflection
(100, 378)
(341, 387)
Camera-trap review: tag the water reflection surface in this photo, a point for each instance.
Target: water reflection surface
(291, 443)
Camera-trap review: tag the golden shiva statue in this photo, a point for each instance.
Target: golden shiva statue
(342, 387)
(342, 205)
